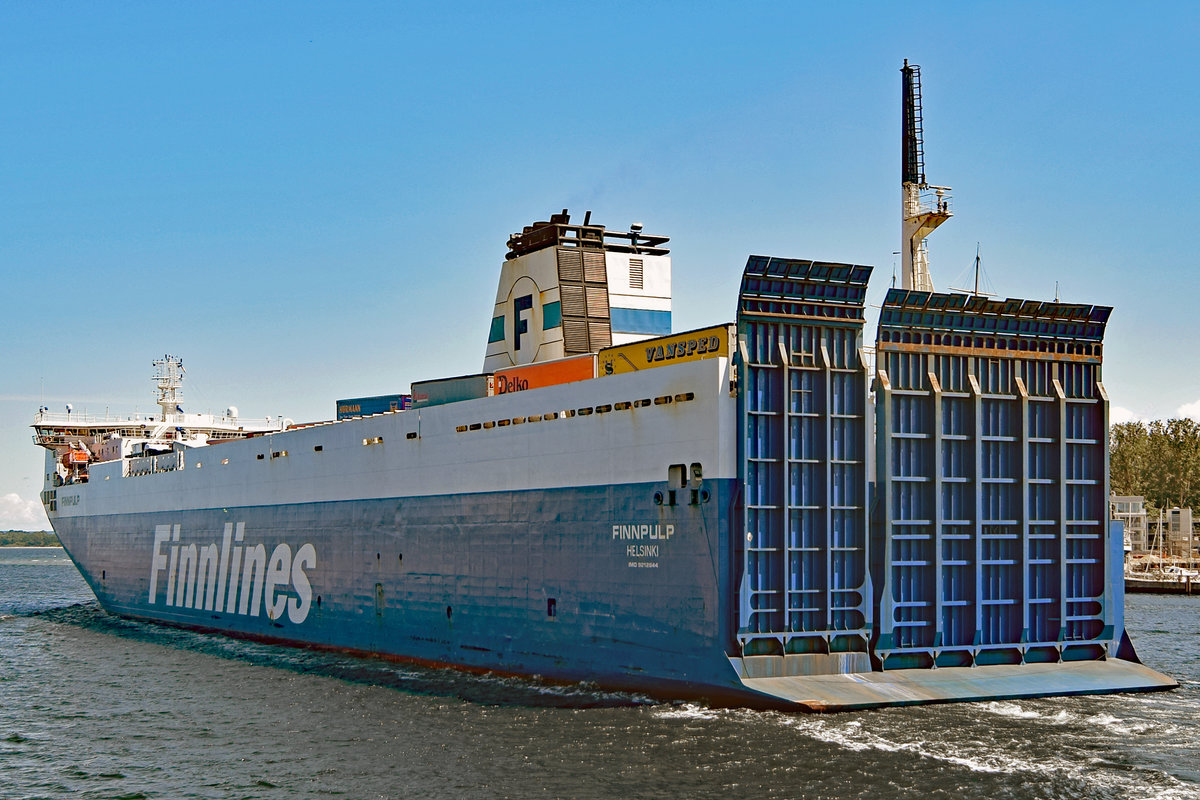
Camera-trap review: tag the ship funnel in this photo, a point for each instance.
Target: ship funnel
(569, 289)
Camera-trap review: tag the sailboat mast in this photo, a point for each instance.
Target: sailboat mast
(977, 269)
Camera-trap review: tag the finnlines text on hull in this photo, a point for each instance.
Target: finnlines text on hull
(232, 578)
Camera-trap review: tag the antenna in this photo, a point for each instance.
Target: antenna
(923, 207)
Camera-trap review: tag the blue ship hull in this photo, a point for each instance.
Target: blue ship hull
(572, 585)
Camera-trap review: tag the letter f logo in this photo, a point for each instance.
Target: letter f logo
(520, 324)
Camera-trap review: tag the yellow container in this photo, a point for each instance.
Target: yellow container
(649, 353)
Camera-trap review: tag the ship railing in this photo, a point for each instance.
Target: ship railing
(935, 200)
(53, 419)
(71, 419)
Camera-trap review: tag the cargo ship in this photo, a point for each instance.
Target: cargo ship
(756, 512)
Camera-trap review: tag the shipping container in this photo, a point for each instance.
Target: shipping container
(451, 390)
(545, 373)
(365, 406)
(649, 353)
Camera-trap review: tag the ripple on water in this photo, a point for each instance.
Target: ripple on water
(96, 706)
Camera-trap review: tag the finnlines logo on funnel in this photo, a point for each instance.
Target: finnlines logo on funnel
(232, 578)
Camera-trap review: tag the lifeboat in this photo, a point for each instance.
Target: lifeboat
(74, 458)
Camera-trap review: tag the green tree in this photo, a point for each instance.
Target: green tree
(1129, 458)
(27, 539)
(1173, 469)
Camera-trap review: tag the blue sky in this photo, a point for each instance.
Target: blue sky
(310, 201)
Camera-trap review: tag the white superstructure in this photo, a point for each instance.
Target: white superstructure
(590, 433)
(143, 442)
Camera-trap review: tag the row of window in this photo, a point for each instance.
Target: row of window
(474, 426)
(578, 412)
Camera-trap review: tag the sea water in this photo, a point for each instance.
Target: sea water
(94, 706)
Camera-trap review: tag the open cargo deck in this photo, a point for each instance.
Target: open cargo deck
(984, 551)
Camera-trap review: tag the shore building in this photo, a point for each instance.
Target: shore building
(1131, 511)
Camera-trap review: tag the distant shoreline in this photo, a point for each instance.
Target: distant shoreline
(28, 539)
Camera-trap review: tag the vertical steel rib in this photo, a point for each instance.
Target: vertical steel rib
(937, 542)
(977, 492)
(1022, 469)
(827, 453)
(786, 586)
(1065, 631)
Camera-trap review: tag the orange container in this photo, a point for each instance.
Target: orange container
(545, 373)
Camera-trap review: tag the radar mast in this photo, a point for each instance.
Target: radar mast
(923, 207)
(168, 375)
